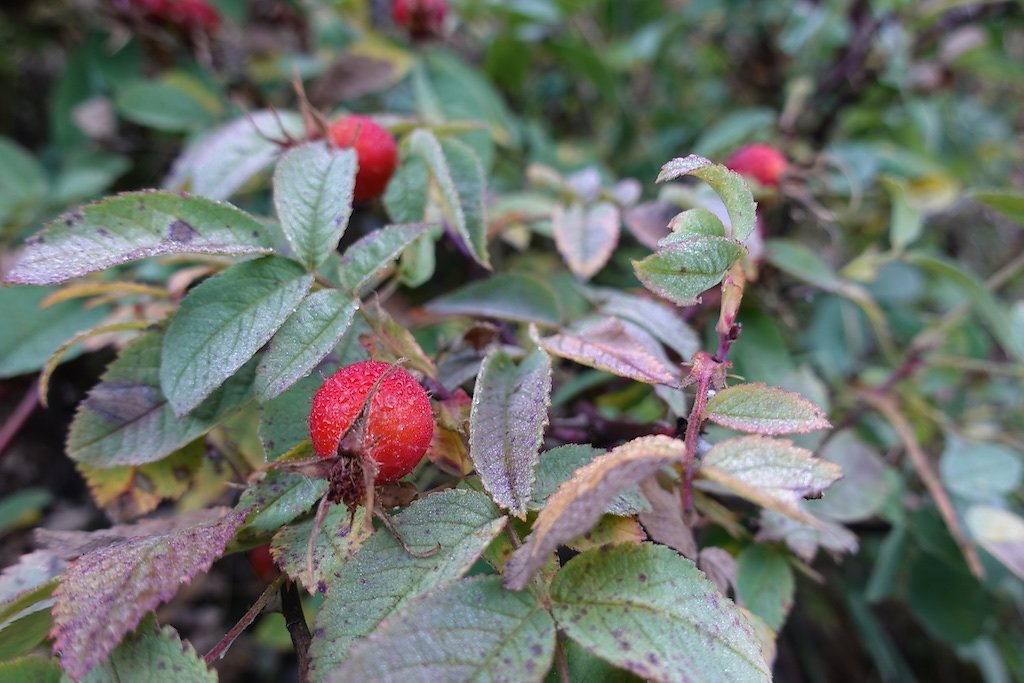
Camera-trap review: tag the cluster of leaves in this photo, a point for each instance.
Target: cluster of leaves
(588, 507)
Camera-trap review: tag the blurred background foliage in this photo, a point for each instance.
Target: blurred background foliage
(892, 258)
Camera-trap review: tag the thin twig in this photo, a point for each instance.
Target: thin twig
(890, 410)
(295, 620)
(220, 648)
(26, 406)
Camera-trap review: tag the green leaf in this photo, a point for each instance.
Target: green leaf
(558, 466)
(761, 409)
(770, 472)
(864, 488)
(683, 270)
(382, 576)
(731, 187)
(460, 178)
(510, 411)
(149, 650)
(931, 583)
(609, 346)
(26, 346)
(648, 610)
(406, 195)
(696, 221)
(580, 502)
(305, 338)
(313, 187)
(25, 630)
(276, 499)
(906, 221)
(126, 420)
(221, 162)
(22, 184)
(1001, 533)
(1010, 203)
(34, 669)
(134, 226)
(223, 322)
(803, 264)
(980, 471)
(338, 539)
(176, 103)
(586, 236)
(84, 175)
(764, 584)
(522, 298)
(23, 508)
(106, 592)
(363, 261)
(992, 313)
(471, 630)
(28, 581)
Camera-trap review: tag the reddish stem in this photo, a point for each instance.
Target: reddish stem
(17, 420)
(691, 439)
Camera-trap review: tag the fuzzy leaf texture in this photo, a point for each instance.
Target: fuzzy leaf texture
(649, 611)
(134, 226)
(382, 576)
(730, 186)
(469, 631)
(770, 472)
(105, 593)
(313, 187)
(510, 411)
(761, 409)
(579, 503)
(151, 649)
(305, 338)
(126, 419)
(223, 322)
(374, 252)
(336, 542)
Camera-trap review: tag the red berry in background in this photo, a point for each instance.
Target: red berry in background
(760, 161)
(399, 422)
(262, 562)
(375, 149)
(421, 18)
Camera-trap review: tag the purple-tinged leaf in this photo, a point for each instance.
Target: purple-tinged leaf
(761, 409)
(134, 226)
(510, 410)
(586, 236)
(730, 187)
(609, 346)
(802, 538)
(649, 221)
(684, 270)
(656, 317)
(664, 522)
(579, 503)
(558, 465)
(105, 593)
(772, 473)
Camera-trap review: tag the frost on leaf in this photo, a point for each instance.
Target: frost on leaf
(152, 649)
(772, 473)
(579, 503)
(106, 592)
(507, 422)
(762, 409)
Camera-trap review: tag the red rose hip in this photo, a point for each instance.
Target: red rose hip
(422, 18)
(399, 422)
(375, 149)
(760, 161)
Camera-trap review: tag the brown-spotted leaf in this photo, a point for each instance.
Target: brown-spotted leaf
(337, 540)
(609, 346)
(510, 410)
(586, 236)
(773, 473)
(106, 592)
(579, 503)
(762, 409)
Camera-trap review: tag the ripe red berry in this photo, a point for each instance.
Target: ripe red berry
(760, 161)
(375, 149)
(262, 562)
(399, 423)
(422, 18)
